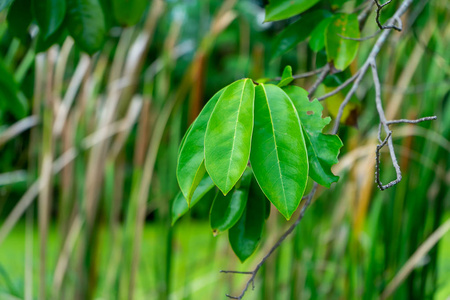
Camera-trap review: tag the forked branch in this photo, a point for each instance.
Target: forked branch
(389, 26)
(356, 79)
(388, 140)
(274, 247)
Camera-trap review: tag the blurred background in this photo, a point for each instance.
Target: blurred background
(88, 153)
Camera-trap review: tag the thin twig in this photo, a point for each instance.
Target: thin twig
(323, 74)
(361, 39)
(236, 272)
(385, 125)
(373, 54)
(339, 88)
(389, 26)
(274, 247)
(411, 121)
(388, 138)
(303, 75)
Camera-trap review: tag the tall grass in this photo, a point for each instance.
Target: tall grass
(91, 216)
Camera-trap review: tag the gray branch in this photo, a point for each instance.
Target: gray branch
(390, 25)
(411, 121)
(373, 54)
(357, 78)
(388, 140)
(274, 247)
(323, 74)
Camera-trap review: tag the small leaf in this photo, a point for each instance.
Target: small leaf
(279, 158)
(340, 50)
(226, 210)
(49, 15)
(190, 167)
(86, 24)
(286, 78)
(244, 236)
(283, 9)
(180, 206)
(229, 133)
(323, 149)
(317, 40)
(297, 32)
(129, 12)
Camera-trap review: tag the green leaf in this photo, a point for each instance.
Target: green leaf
(297, 32)
(180, 206)
(245, 235)
(283, 9)
(9, 100)
(229, 133)
(190, 167)
(278, 158)
(58, 37)
(340, 50)
(286, 78)
(128, 12)
(256, 192)
(323, 149)
(86, 24)
(317, 40)
(19, 19)
(226, 210)
(4, 4)
(49, 15)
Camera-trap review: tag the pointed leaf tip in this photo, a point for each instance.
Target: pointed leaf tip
(229, 133)
(279, 158)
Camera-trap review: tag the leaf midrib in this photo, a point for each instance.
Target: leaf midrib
(276, 149)
(234, 137)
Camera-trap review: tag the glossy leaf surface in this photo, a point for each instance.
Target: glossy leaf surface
(297, 32)
(180, 206)
(323, 149)
(279, 159)
(229, 133)
(129, 12)
(340, 50)
(86, 24)
(49, 15)
(191, 168)
(245, 235)
(283, 9)
(226, 210)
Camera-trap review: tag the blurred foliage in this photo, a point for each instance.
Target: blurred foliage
(108, 127)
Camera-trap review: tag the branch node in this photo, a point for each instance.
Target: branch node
(396, 18)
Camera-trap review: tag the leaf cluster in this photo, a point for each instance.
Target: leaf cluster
(257, 143)
(334, 32)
